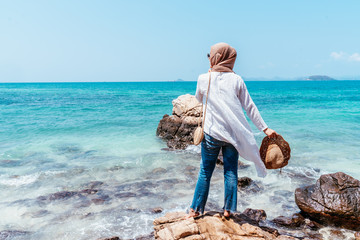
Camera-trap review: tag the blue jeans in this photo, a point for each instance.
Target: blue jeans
(210, 148)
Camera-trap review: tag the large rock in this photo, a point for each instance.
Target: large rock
(211, 226)
(178, 128)
(186, 105)
(334, 199)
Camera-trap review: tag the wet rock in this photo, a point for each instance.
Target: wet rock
(209, 226)
(9, 163)
(40, 213)
(93, 184)
(244, 182)
(158, 170)
(13, 234)
(98, 201)
(115, 168)
(146, 237)
(89, 191)
(110, 238)
(334, 199)
(313, 236)
(83, 203)
(190, 170)
(336, 234)
(157, 210)
(125, 195)
(284, 221)
(255, 214)
(357, 235)
(101, 199)
(61, 195)
(178, 128)
(312, 224)
(249, 186)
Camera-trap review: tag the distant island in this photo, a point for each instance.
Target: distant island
(319, 78)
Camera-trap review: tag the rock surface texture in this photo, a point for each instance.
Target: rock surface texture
(178, 128)
(334, 199)
(212, 226)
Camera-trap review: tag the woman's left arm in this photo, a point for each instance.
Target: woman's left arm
(252, 111)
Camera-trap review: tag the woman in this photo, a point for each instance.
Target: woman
(226, 128)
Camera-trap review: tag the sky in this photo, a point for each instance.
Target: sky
(116, 40)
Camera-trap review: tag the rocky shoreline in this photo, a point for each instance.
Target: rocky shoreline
(332, 202)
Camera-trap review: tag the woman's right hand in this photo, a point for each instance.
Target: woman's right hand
(269, 132)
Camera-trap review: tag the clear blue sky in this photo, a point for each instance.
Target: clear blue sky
(109, 40)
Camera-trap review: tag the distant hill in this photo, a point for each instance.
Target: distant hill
(319, 78)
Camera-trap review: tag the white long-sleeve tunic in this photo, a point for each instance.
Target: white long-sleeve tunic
(225, 119)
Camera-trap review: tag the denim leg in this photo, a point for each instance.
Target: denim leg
(210, 149)
(231, 157)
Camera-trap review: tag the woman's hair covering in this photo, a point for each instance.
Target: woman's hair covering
(222, 57)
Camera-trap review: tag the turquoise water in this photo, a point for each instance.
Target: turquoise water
(63, 136)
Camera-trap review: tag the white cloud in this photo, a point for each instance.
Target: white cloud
(355, 57)
(338, 55)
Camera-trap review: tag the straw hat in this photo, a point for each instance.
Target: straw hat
(275, 152)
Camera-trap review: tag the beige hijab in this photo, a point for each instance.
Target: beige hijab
(222, 57)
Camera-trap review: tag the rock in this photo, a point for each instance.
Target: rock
(178, 128)
(110, 238)
(334, 200)
(14, 234)
(125, 195)
(336, 234)
(157, 210)
(158, 170)
(186, 105)
(248, 186)
(62, 195)
(255, 214)
(210, 226)
(312, 224)
(244, 182)
(294, 221)
(357, 235)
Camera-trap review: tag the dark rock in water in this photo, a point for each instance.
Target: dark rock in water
(158, 170)
(255, 214)
(40, 213)
(312, 224)
(125, 195)
(146, 237)
(190, 170)
(9, 163)
(98, 201)
(89, 191)
(93, 184)
(334, 199)
(287, 222)
(157, 210)
(110, 238)
(314, 236)
(244, 182)
(62, 195)
(249, 186)
(13, 234)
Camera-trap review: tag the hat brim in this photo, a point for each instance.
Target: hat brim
(283, 145)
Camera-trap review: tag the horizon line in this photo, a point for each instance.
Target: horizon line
(174, 81)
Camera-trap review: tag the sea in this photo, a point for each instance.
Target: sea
(82, 160)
